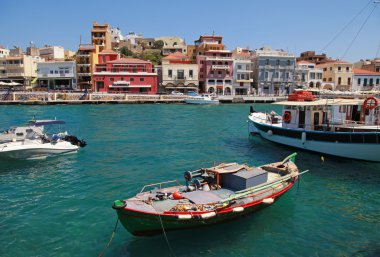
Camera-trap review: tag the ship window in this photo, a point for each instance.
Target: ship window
(29, 130)
(19, 134)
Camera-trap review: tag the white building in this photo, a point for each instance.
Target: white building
(116, 35)
(50, 53)
(57, 75)
(273, 71)
(172, 45)
(307, 75)
(131, 37)
(364, 80)
(242, 74)
(3, 52)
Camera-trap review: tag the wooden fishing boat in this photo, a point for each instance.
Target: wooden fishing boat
(210, 196)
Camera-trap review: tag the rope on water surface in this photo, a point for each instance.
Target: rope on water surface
(166, 238)
(112, 236)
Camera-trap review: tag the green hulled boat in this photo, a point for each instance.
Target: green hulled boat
(210, 196)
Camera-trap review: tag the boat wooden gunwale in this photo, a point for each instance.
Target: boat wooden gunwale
(142, 217)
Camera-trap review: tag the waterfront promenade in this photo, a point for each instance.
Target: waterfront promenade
(47, 98)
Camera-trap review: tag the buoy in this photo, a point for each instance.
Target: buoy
(270, 132)
(184, 216)
(268, 200)
(208, 215)
(177, 196)
(238, 209)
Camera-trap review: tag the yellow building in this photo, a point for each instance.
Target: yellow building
(19, 70)
(86, 58)
(337, 75)
(101, 36)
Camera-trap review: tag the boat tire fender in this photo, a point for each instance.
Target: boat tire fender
(287, 117)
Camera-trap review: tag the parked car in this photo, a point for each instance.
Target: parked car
(176, 93)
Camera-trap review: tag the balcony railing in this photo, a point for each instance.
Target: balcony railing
(220, 67)
(211, 58)
(81, 74)
(244, 71)
(14, 74)
(244, 80)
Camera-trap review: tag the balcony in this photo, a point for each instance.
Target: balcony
(216, 58)
(220, 67)
(244, 80)
(83, 64)
(244, 71)
(80, 74)
(14, 74)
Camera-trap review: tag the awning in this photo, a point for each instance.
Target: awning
(130, 86)
(323, 102)
(34, 80)
(181, 87)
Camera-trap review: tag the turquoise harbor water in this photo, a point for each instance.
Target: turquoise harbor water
(62, 206)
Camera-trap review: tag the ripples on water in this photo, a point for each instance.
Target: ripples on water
(62, 206)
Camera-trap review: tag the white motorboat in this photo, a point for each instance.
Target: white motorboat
(202, 99)
(30, 142)
(341, 127)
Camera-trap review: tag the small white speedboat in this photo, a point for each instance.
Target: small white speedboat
(202, 99)
(31, 142)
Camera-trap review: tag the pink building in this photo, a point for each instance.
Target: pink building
(215, 71)
(129, 75)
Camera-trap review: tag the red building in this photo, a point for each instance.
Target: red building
(129, 75)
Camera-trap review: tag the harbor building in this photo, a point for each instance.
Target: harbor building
(215, 65)
(273, 71)
(172, 45)
(311, 56)
(56, 75)
(179, 74)
(20, 71)
(242, 72)
(51, 53)
(127, 75)
(365, 80)
(86, 58)
(101, 36)
(339, 73)
(3, 52)
(307, 75)
(372, 65)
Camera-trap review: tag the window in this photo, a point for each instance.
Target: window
(190, 73)
(365, 82)
(330, 79)
(111, 79)
(170, 73)
(219, 73)
(312, 75)
(371, 82)
(347, 69)
(180, 74)
(51, 72)
(339, 68)
(277, 62)
(324, 69)
(339, 80)
(287, 75)
(141, 79)
(377, 81)
(288, 63)
(266, 74)
(359, 81)
(56, 72)
(131, 79)
(239, 67)
(330, 68)
(277, 74)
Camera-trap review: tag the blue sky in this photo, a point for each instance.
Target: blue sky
(293, 25)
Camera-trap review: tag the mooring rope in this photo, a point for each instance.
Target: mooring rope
(109, 242)
(166, 238)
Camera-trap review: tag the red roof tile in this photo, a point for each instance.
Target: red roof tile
(107, 51)
(358, 71)
(175, 56)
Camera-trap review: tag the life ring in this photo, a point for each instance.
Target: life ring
(370, 103)
(287, 117)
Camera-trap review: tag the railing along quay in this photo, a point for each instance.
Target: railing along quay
(49, 98)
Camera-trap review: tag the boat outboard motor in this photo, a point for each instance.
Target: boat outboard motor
(75, 141)
(251, 110)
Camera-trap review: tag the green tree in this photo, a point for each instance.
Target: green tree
(124, 51)
(159, 44)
